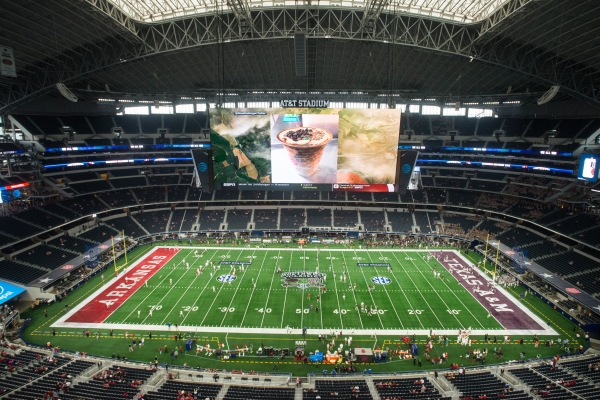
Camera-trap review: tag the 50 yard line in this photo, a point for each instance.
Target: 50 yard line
(286, 291)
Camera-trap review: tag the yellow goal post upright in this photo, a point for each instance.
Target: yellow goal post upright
(124, 246)
(112, 238)
(496, 264)
(486, 253)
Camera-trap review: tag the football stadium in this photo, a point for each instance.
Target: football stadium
(250, 200)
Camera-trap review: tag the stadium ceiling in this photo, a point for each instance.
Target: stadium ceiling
(443, 49)
(465, 11)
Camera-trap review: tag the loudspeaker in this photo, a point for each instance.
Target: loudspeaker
(300, 53)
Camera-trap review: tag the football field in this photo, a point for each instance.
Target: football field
(241, 290)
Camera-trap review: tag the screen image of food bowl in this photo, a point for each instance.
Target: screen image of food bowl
(304, 148)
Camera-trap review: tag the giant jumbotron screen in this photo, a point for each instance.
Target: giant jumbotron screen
(326, 149)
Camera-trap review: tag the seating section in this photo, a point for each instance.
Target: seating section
(115, 386)
(459, 224)
(265, 218)
(176, 193)
(40, 218)
(539, 384)
(400, 221)
(463, 198)
(170, 390)
(518, 236)
(366, 196)
(226, 195)
(18, 228)
(149, 195)
(580, 367)
(84, 205)
(485, 384)
(189, 219)
(45, 256)
(30, 366)
(343, 389)
(99, 234)
(307, 195)
(126, 224)
(118, 198)
(19, 273)
(436, 196)
(252, 195)
(130, 182)
(55, 376)
(577, 223)
(291, 218)
(238, 219)
(60, 210)
(425, 221)
(408, 388)
(176, 220)
(567, 263)
(318, 217)
(582, 388)
(91, 187)
(211, 220)
(4, 239)
(373, 220)
(258, 393)
(154, 221)
(345, 218)
(70, 243)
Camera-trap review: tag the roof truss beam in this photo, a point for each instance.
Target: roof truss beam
(409, 30)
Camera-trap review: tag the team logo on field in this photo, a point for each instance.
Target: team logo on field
(226, 278)
(303, 279)
(381, 280)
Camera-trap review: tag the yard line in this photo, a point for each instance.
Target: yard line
(205, 286)
(215, 296)
(268, 293)
(404, 293)
(388, 295)
(302, 309)
(237, 288)
(253, 289)
(286, 292)
(321, 293)
(370, 294)
(350, 283)
(145, 298)
(336, 293)
(419, 291)
(180, 297)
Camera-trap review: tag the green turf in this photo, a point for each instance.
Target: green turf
(71, 339)
(412, 300)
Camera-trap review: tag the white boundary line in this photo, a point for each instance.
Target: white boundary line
(389, 332)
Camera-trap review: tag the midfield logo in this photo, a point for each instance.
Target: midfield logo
(303, 279)
(226, 278)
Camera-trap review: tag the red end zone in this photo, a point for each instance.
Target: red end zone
(101, 306)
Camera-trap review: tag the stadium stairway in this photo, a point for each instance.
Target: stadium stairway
(373, 390)
(140, 225)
